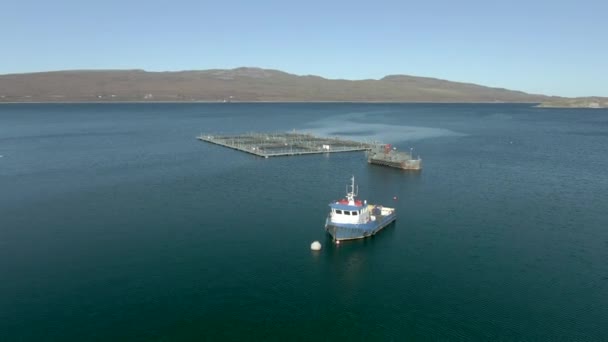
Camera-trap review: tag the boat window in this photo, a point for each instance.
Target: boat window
(355, 213)
(338, 211)
(346, 212)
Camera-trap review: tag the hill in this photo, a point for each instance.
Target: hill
(240, 84)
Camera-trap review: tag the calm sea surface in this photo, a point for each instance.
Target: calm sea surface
(117, 224)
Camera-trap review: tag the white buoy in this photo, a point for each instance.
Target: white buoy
(315, 246)
(337, 242)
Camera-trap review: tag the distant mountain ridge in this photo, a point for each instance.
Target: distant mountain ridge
(240, 85)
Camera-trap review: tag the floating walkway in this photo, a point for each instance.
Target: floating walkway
(284, 144)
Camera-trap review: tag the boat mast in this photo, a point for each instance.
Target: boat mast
(350, 195)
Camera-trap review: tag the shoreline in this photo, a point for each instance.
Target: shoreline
(570, 107)
(278, 102)
(577, 105)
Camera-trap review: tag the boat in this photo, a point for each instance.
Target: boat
(387, 155)
(350, 218)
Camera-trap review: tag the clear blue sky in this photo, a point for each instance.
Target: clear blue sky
(550, 47)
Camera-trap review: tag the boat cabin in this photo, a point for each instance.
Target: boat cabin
(352, 214)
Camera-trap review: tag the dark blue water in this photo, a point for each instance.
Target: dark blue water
(115, 223)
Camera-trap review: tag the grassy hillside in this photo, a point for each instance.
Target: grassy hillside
(241, 84)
